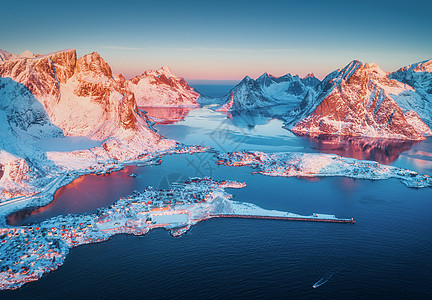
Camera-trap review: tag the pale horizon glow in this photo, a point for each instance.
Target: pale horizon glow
(226, 40)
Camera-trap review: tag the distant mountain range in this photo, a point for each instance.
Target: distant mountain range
(268, 90)
(84, 98)
(357, 100)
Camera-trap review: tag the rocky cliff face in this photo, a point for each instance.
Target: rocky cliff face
(92, 101)
(23, 120)
(22, 113)
(357, 101)
(5, 55)
(419, 98)
(161, 88)
(42, 75)
(84, 98)
(268, 90)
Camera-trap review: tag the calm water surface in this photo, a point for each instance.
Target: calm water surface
(213, 90)
(386, 254)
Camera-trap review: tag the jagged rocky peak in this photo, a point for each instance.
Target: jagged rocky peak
(165, 69)
(310, 80)
(268, 90)
(95, 79)
(418, 75)
(246, 79)
(356, 101)
(267, 79)
(64, 63)
(42, 74)
(373, 67)
(423, 66)
(120, 79)
(93, 64)
(26, 54)
(264, 76)
(417, 79)
(356, 72)
(346, 72)
(5, 55)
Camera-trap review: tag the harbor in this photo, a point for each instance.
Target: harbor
(313, 218)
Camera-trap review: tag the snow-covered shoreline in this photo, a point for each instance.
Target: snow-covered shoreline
(289, 164)
(42, 195)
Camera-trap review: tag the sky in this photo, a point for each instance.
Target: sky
(224, 40)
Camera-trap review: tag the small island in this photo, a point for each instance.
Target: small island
(29, 252)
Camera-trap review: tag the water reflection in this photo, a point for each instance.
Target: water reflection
(259, 116)
(84, 194)
(384, 151)
(261, 130)
(166, 115)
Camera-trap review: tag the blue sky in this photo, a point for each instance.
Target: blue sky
(225, 39)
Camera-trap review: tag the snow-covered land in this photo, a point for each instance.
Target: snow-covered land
(34, 184)
(288, 164)
(29, 252)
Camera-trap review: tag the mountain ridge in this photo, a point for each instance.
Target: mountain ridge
(268, 90)
(357, 101)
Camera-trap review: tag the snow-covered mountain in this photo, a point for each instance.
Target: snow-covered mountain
(161, 88)
(358, 100)
(22, 120)
(22, 114)
(83, 98)
(55, 95)
(419, 99)
(42, 75)
(268, 90)
(4, 55)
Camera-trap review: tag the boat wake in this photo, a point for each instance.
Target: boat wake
(322, 280)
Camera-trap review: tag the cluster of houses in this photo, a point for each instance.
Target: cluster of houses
(27, 252)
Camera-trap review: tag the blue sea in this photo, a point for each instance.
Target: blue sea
(213, 90)
(386, 254)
